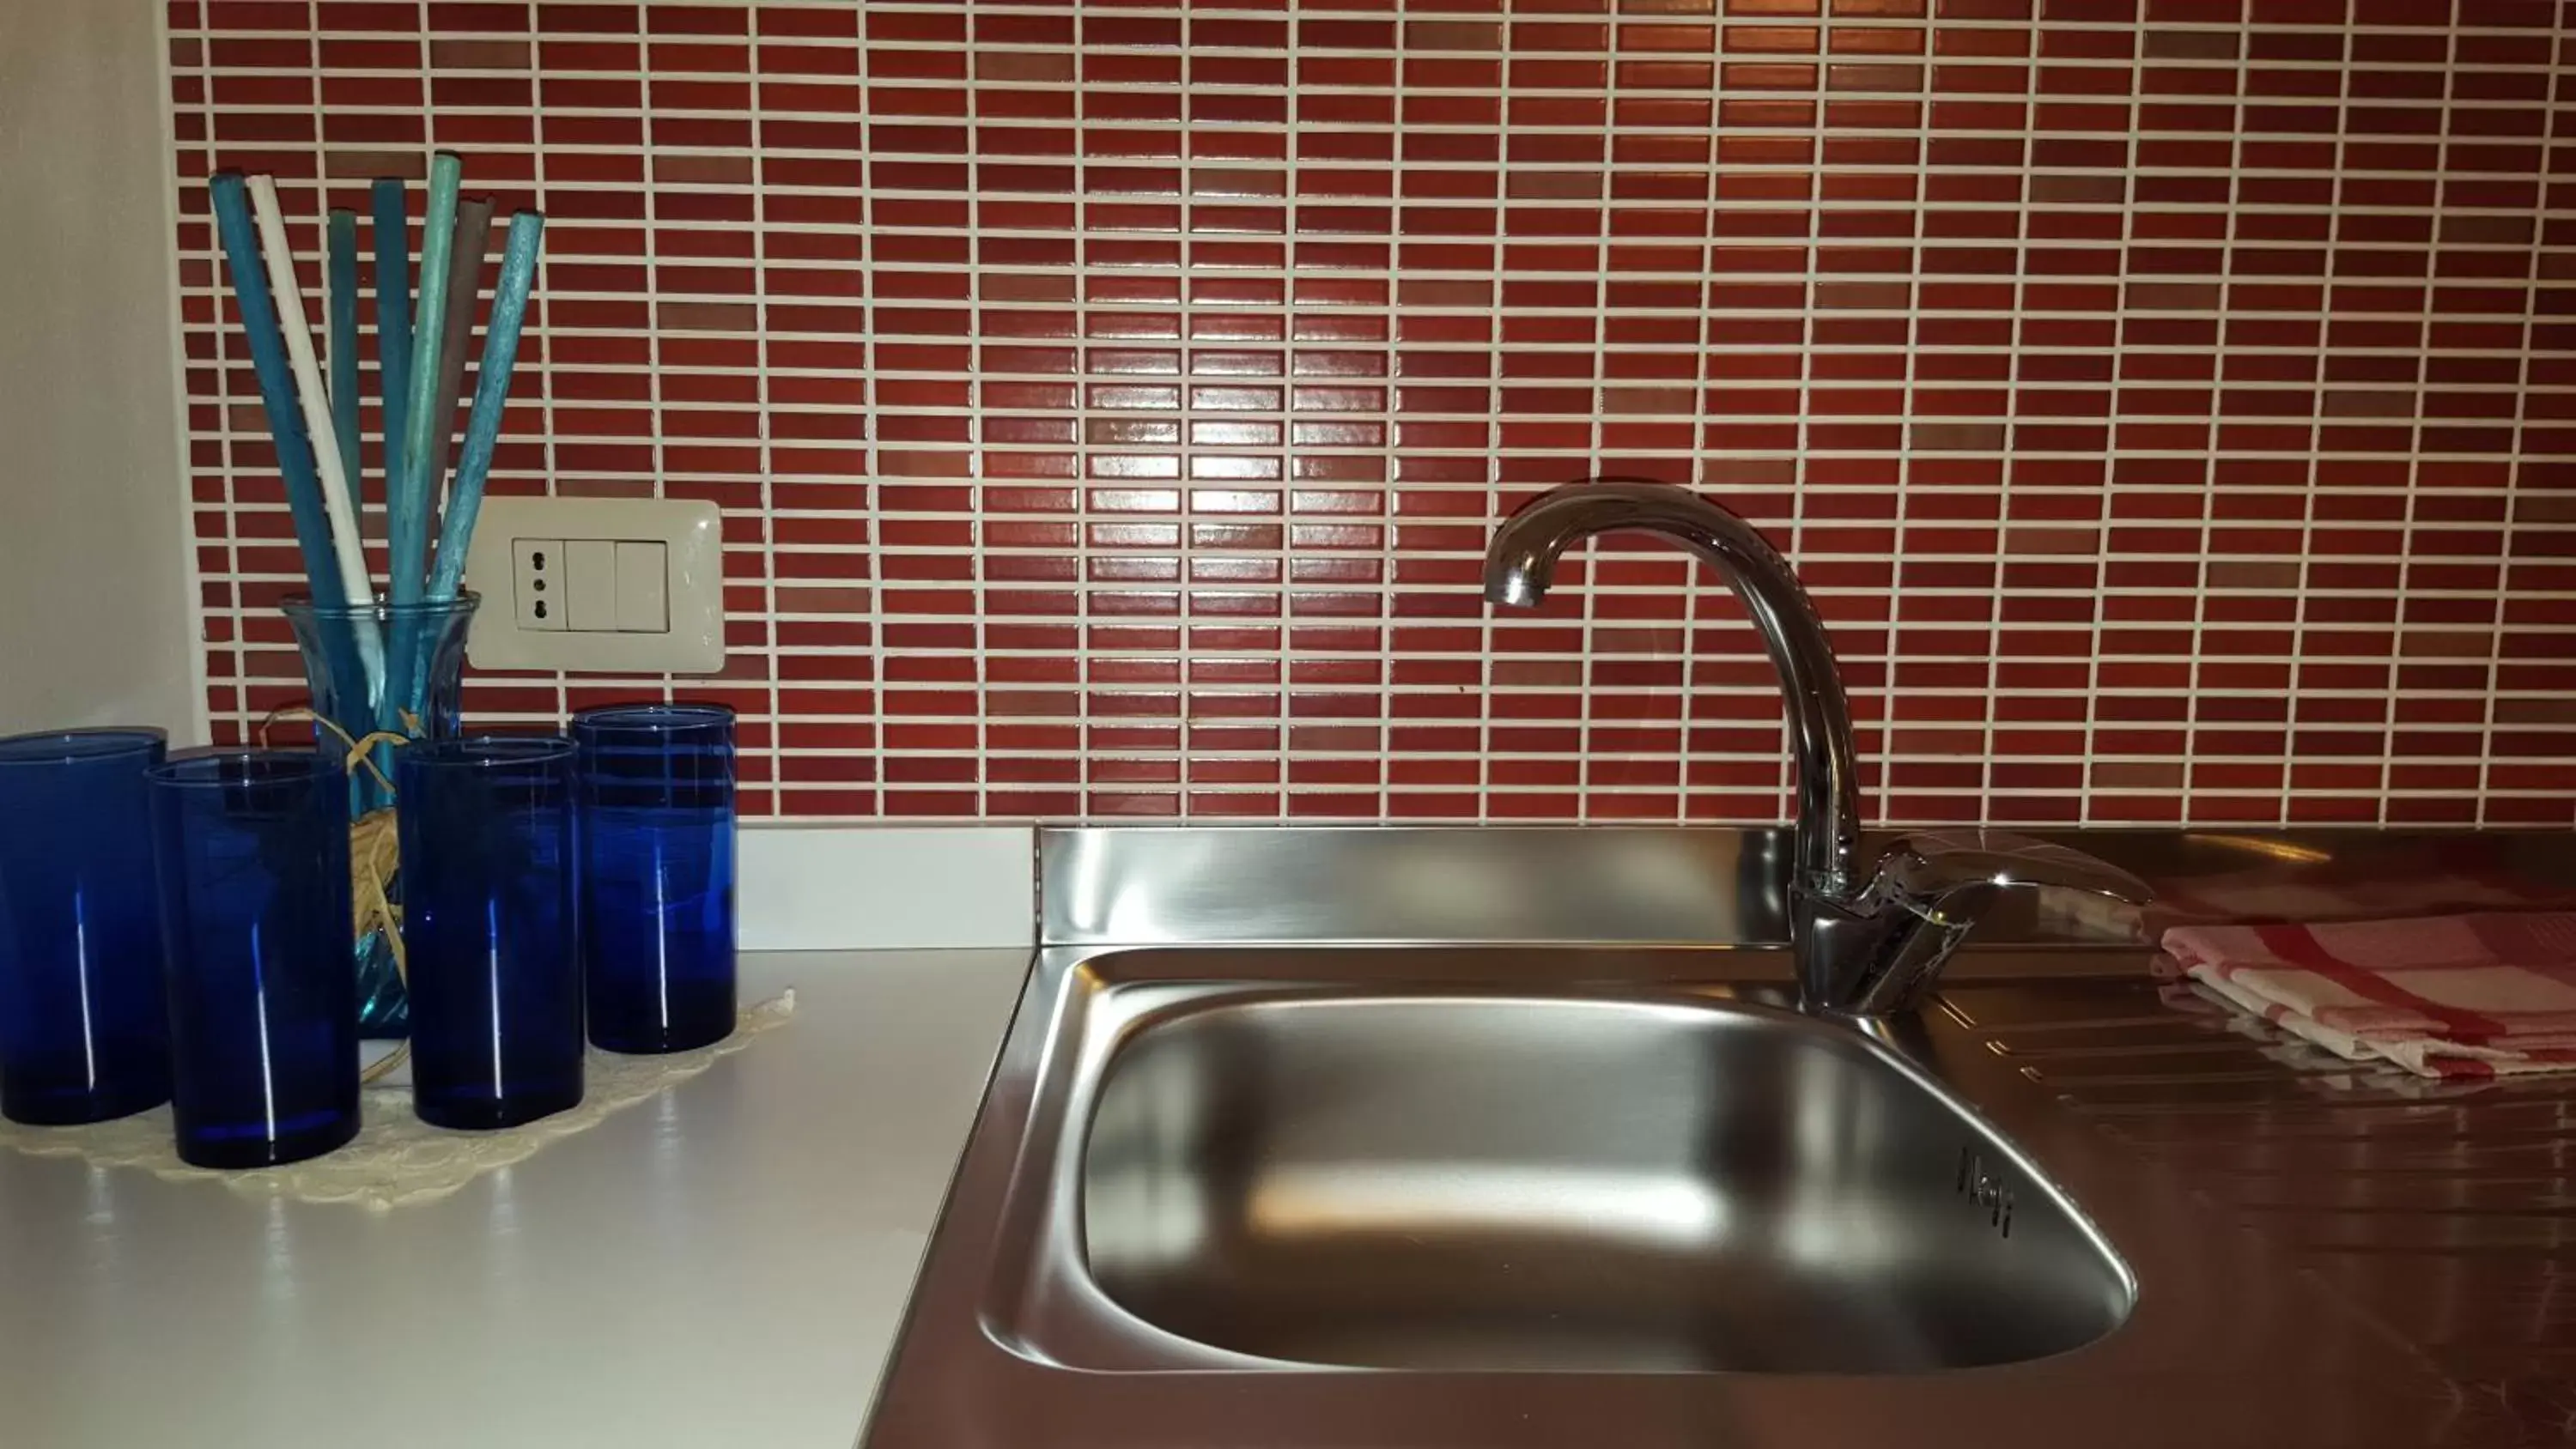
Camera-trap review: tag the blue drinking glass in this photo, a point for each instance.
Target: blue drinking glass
(253, 854)
(82, 1034)
(488, 928)
(657, 869)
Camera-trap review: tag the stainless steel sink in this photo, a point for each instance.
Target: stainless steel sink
(1521, 1197)
(1470, 1167)
(1482, 1182)
(1280, 1150)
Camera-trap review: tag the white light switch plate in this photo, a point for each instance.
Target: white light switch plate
(598, 585)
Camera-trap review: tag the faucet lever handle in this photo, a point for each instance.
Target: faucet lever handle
(1879, 952)
(1927, 869)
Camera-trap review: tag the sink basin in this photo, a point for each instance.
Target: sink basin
(1463, 1181)
(1276, 1153)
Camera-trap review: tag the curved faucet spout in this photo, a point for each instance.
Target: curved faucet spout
(1521, 563)
(1866, 947)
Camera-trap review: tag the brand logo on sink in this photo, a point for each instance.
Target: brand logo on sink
(1985, 1189)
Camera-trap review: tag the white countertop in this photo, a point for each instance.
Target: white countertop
(726, 1264)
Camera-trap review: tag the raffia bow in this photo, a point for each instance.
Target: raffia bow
(375, 851)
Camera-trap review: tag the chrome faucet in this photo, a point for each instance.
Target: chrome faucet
(1865, 946)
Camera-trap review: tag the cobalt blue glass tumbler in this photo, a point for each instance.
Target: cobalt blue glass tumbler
(82, 1035)
(488, 928)
(657, 869)
(253, 855)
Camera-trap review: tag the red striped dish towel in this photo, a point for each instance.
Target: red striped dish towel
(2480, 995)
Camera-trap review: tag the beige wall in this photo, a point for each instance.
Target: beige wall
(96, 619)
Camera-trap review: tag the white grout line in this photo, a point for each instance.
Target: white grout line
(2005, 491)
(1491, 623)
(1785, 784)
(770, 650)
(872, 488)
(2217, 348)
(1697, 583)
(2103, 554)
(2515, 461)
(199, 722)
(1588, 762)
(2414, 461)
(982, 786)
(542, 318)
(232, 468)
(1187, 763)
(1907, 462)
(2289, 723)
(655, 375)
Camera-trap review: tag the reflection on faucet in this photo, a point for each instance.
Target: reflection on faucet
(1864, 947)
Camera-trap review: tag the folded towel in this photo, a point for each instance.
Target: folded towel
(2480, 995)
(2334, 891)
(2329, 890)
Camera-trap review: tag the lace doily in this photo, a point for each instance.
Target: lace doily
(396, 1158)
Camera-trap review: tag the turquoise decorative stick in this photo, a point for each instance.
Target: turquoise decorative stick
(464, 290)
(277, 397)
(491, 395)
(408, 495)
(276, 385)
(341, 265)
(393, 317)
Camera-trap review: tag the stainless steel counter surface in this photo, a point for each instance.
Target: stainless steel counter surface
(723, 1265)
(2327, 1256)
(730, 1264)
(2443, 1212)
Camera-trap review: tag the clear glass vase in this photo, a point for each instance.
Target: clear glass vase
(378, 669)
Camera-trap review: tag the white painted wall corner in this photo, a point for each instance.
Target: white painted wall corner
(886, 887)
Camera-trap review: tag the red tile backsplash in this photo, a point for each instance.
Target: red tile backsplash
(2170, 402)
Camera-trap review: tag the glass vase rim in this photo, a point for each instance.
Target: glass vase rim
(652, 717)
(233, 767)
(381, 606)
(486, 751)
(89, 745)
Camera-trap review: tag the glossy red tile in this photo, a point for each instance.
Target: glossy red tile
(2168, 422)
